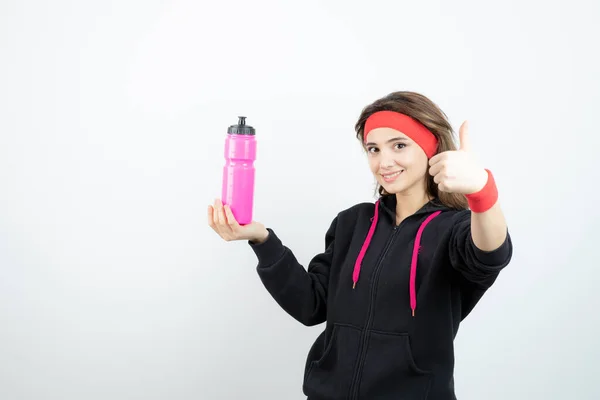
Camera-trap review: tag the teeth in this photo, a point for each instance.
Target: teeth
(392, 175)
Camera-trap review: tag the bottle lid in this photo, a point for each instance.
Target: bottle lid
(241, 128)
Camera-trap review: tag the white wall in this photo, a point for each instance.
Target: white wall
(112, 122)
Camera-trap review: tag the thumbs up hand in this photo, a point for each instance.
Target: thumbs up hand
(457, 171)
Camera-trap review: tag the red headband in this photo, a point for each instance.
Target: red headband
(405, 124)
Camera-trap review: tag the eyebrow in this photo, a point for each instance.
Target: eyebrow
(399, 138)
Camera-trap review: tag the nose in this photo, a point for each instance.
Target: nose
(387, 162)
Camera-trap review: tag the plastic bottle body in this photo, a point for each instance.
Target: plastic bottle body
(238, 176)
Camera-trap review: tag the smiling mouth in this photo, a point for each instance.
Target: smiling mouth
(391, 176)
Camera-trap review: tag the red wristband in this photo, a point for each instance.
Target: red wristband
(486, 198)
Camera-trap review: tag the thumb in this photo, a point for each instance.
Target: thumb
(463, 137)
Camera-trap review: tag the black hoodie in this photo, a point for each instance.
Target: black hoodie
(392, 297)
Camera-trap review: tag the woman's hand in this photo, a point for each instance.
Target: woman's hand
(222, 221)
(457, 171)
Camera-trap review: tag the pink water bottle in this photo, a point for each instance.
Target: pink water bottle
(238, 173)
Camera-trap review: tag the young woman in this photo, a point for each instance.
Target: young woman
(396, 277)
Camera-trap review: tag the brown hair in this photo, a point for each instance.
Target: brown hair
(429, 114)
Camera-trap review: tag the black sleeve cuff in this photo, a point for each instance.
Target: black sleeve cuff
(268, 252)
(497, 257)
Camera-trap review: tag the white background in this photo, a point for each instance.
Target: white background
(112, 125)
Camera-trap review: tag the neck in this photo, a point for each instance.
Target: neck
(409, 203)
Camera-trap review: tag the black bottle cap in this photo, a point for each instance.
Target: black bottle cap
(241, 128)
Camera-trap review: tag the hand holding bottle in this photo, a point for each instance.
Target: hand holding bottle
(222, 221)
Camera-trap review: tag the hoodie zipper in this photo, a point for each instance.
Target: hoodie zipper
(363, 344)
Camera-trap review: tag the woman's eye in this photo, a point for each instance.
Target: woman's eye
(400, 145)
(372, 149)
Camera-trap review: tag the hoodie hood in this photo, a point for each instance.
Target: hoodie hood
(387, 205)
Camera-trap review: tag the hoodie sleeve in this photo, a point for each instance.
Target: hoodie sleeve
(475, 265)
(301, 292)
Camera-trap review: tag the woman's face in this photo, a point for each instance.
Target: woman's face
(397, 162)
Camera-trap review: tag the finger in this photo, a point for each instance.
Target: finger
(216, 213)
(219, 218)
(438, 157)
(463, 135)
(233, 224)
(437, 168)
(221, 214)
(210, 217)
(221, 222)
(213, 221)
(434, 160)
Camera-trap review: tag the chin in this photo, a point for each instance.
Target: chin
(392, 188)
